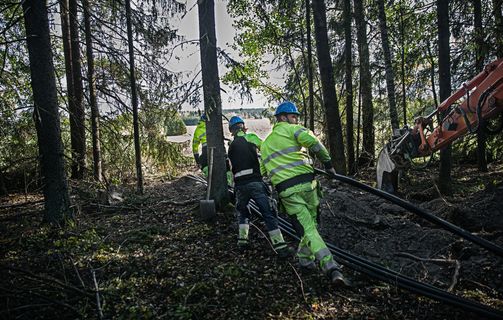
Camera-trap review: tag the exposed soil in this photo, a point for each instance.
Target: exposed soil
(152, 257)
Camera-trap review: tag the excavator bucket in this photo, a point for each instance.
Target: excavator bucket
(387, 172)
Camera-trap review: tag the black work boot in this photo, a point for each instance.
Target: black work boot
(243, 245)
(285, 252)
(338, 279)
(308, 268)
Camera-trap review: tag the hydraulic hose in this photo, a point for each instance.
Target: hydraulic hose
(488, 245)
(483, 98)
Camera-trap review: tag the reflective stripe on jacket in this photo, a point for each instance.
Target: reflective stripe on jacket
(284, 155)
(199, 136)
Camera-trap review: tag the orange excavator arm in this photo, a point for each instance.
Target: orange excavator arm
(477, 100)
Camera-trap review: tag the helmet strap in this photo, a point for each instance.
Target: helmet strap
(237, 127)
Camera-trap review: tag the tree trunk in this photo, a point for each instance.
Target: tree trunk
(444, 69)
(95, 113)
(43, 82)
(3, 188)
(432, 74)
(390, 76)
(310, 66)
(305, 111)
(298, 80)
(67, 50)
(402, 65)
(479, 66)
(77, 119)
(359, 121)
(349, 87)
(334, 127)
(368, 144)
(134, 100)
(498, 22)
(212, 100)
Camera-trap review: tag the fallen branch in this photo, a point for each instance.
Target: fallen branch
(43, 297)
(481, 285)
(100, 205)
(188, 294)
(455, 276)
(28, 306)
(294, 270)
(177, 203)
(48, 280)
(300, 281)
(413, 257)
(447, 203)
(97, 290)
(77, 272)
(59, 303)
(16, 205)
(330, 209)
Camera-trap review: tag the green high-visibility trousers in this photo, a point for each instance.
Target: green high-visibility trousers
(302, 201)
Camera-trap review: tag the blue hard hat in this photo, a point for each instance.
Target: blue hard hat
(286, 107)
(203, 117)
(235, 120)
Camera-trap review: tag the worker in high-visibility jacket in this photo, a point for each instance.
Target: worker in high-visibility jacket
(285, 158)
(199, 139)
(248, 184)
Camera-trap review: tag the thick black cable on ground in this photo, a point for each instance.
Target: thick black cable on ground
(394, 278)
(488, 245)
(390, 276)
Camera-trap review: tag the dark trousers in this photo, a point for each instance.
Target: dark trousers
(258, 192)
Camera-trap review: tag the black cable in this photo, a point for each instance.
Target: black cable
(387, 275)
(414, 209)
(394, 278)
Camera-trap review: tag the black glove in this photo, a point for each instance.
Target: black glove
(328, 168)
(331, 171)
(196, 157)
(267, 188)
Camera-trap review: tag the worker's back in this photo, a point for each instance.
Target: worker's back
(244, 159)
(282, 155)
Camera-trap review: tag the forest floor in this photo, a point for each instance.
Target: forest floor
(150, 256)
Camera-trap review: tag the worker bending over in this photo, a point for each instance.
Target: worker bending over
(291, 173)
(248, 184)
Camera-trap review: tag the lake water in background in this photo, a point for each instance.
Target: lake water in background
(261, 127)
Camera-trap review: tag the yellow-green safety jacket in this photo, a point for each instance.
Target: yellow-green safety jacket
(285, 158)
(199, 136)
(251, 137)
